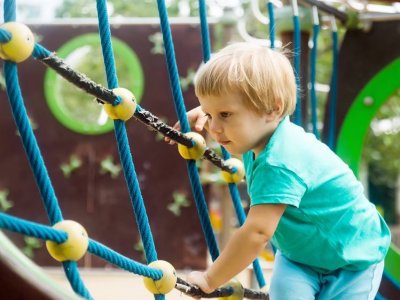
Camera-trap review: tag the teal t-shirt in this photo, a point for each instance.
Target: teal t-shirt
(328, 223)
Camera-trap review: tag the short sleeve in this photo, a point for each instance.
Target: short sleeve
(275, 185)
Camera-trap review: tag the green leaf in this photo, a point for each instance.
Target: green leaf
(108, 166)
(5, 203)
(73, 164)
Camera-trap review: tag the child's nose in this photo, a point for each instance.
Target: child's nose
(215, 127)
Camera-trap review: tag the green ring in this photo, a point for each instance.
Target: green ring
(355, 126)
(52, 81)
(354, 129)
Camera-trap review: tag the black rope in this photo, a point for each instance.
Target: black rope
(78, 79)
(328, 9)
(194, 291)
(103, 95)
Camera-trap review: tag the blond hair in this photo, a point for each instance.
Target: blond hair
(264, 77)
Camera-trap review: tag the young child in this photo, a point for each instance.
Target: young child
(330, 239)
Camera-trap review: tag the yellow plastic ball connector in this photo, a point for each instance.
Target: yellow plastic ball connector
(21, 45)
(167, 281)
(123, 110)
(197, 150)
(74, 248)
(238, 175)
(238, 291)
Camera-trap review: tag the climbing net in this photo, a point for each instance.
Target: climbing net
(66, 240)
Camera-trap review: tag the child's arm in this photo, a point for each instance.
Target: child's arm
(244, 246)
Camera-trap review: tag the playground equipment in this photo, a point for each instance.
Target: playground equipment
(113, 97)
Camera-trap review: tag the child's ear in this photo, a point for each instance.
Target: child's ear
(276, 112)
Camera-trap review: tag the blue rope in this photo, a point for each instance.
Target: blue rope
(181, 113)
(23, 125)
(333, 89)
(30, 144)
(122, 139)
(32, 150)
(72, 274)
(380, 297)
(32, 229)
(5, 36)
(205, 38)
(37, 164)
(134, 191)
(48, 233)
(39, 52)
(10, 11)
(297, 51)
(123, 262)
(313, 93)
(270, 7)
(391, 279)
(173, 73)
(106, 44)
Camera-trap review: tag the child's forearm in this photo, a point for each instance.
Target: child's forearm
(241, 250)
(244, 246)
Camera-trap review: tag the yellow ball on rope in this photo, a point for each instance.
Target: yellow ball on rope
(238, 291)
(123, 110)
(167, 281)
(197, 150)
(236, 176)
(21, 45)
(75, 247)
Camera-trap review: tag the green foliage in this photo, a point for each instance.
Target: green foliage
(5, 203)
(139, 247)
(76, 8)
(120, 8)
(73, 164)
(382, 148)
(158, 43)
(108, 166)
(188, 80)
(2, 81)
(179, 201)
(31, 244)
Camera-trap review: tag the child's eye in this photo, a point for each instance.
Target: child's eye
(208, 116)
(225, 114)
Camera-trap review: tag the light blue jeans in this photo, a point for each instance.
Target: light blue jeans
(293, 281)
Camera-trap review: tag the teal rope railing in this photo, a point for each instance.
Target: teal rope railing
(33, 153)
(271, 16)
(32, 229)
(333, 88)
(181, 113)
(313, 67)
(205, 35)
(297, 61)
(122, 139)
(122, 262)
(48, 233)
(5, 36)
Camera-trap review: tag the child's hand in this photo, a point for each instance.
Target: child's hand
(197, 120)
(201, 280)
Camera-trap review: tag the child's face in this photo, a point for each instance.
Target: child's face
(235, 126)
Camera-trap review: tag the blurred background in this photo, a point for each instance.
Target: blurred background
(78, 143)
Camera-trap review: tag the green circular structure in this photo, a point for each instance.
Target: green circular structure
(354, 129)
(375, 93)
(74, 108)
